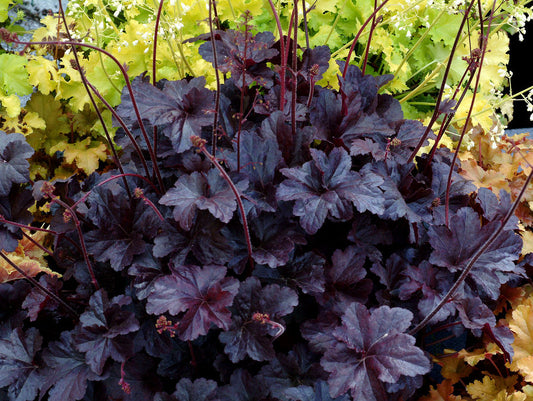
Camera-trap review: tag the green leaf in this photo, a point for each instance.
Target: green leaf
(3, 9)
(13, 75)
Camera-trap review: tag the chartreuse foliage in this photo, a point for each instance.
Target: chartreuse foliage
(410, 38)
(295, 251)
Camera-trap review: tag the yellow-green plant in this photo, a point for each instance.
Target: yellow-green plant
(411, 39)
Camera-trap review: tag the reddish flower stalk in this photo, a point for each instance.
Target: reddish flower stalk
(283, 67)
(48, 192)
(139, 194)
(200, 144)
(129, 88)
(39, 286)
(264, 318)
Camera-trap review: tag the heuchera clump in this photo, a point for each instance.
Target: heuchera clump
(265, 243)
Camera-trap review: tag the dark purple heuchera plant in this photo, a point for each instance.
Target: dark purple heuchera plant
(272, 240)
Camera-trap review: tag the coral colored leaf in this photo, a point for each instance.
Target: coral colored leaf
(28, 257)
(371, 349)
(203, 294)
(520, 325)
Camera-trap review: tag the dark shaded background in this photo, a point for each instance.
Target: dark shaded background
(521, 64)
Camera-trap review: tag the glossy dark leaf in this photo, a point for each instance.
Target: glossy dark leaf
(18, 369)
(66, 373)
(14, 207)
(181, 108)
(204, 294)
(243, 387)
(103, 331)
(454, 246)
(320, 392)
(14, 167)
(248, 337)
(325, 187)
(123, 226)
(372, 349)
(198, 191)
(242, 54)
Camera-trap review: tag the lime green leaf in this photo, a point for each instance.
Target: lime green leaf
(13, 75)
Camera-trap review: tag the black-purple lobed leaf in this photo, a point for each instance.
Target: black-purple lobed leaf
(18, 369)
(145, 269)
(37, 300)
(66, 373)
(181, 108)
(345, 277)
(123, 226)
(14, 207)
(260, 158)
(320, 392)
(474, 313)
(248, 337)
(372, 349)
(198, 390)
(453, 247)
(274, 239)
(103, 330)
(14, 166)
(243, 387)
(325, 114)
(294, 146)
(428, 284)
(325, 187)
(204, 294)
(315, 62)
(242, 54)
(298, 366)
(494, 208)
(139, 376)
(205, 192)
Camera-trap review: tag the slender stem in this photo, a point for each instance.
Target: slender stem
(154, 62)
(484, 44)
(140, 195)
(474, 259)
(82, 199)
(39, 286)
(93, 102)
(294, 69)
(444, 79)
(306, 30)
(128, 85)
(356, 39)
(373, 26)
(283, 66)
(217, 77)
(200, 143)
(72, 214)
(124, 127)
(40, 246)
